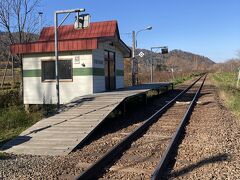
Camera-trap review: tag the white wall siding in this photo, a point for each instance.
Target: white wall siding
(32, 90)
(98, 84)
(119, 66)
(119, 61)
(38, 92)
(88, 75)
(119, 82)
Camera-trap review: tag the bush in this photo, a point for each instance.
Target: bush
(9, 98)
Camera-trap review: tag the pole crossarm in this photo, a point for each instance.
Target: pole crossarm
(158, 47)
(70, 11)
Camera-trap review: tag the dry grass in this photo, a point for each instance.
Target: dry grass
(8, 82)
(226, 84)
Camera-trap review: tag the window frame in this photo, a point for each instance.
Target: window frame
(54, 80)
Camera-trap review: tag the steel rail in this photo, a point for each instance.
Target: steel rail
(100, 165)
(160, 170)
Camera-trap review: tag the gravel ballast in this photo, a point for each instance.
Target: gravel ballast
(211, 146)
(66, 167)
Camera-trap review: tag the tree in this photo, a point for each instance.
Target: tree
(238, 54)
(18, 24)
(18, 20)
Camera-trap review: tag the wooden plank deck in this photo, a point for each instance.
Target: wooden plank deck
(61, 133)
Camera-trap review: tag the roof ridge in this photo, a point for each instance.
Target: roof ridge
(96, 22)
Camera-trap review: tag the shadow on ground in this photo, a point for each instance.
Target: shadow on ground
(191, 167)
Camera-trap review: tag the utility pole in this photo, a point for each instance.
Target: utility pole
(134, 61)
(133, 58)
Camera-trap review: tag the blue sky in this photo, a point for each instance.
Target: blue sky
(206, 27)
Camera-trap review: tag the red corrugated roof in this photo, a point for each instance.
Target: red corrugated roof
(44, 46)
(70, 39)
(95, 30)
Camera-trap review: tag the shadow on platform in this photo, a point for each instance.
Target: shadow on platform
(15, 142)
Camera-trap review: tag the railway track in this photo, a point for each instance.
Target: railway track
(145, 152)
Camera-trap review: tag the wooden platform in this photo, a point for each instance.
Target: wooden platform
(61, 133)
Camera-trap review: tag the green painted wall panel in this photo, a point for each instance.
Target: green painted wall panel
(32, 73)
(98, 71)
(88, 71)
(120, 72)
(76, 72)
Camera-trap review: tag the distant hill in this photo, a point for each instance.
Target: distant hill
(232, 65)
(177, 59)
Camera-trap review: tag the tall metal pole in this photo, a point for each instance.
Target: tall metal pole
(40, 21)
(56, 26)
(56, 56)
(133, 57)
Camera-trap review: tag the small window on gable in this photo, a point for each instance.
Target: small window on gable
(49, 73)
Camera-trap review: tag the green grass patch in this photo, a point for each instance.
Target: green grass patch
(14, 120)
(180, 80)
(226, 84)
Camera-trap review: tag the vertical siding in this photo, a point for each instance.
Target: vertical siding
(98, 62)
(38, 92)
(119, 66)
(98, 55)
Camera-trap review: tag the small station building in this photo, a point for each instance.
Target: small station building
(91, 60)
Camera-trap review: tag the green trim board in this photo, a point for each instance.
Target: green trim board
(76, 72)
(119, 72)
(88, 71)
(32, 73)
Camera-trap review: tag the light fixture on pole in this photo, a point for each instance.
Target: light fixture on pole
(134, 45)
(56, 26)
(146, 29)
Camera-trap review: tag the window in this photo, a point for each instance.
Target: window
(64, 67)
